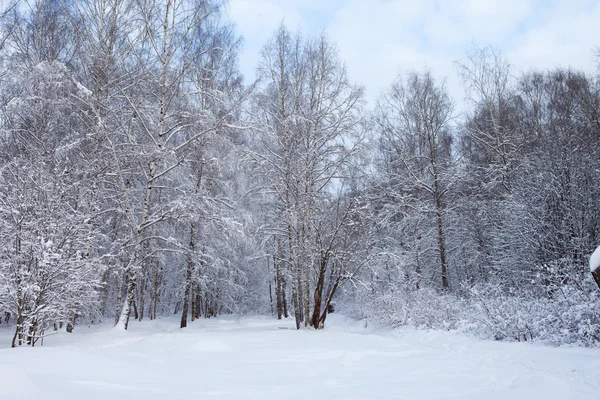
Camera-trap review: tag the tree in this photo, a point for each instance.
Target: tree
(414, 118)
(215, 77)
(310, 116)
(48, 205)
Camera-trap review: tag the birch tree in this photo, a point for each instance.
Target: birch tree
(311, 114)
(48, 206)
(414, 118)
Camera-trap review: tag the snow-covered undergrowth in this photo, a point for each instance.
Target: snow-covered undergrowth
(570, 315)
(254, 358)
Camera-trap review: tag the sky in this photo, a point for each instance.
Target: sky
(378, 39)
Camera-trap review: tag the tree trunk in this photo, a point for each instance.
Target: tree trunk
(135, 309)
(284, 295)
(271, 296)
(295, 276)
(155, 289)
(278, 281)
(142, 298)
(330, 293)
(193, 305)
(130, 298)
(18, 337)
(270, 280)
(442, 247)
(418, 270)
(197, 308)
(31, 333)
(119, 299)
(189, 276)
(596, 275)
(278, 287)
(318, 294)
(71, 322)
(306, 293)
(105, 290)
(439, 220)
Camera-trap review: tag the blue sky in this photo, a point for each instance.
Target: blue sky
(378, 39)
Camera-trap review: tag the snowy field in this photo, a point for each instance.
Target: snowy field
(254, 358)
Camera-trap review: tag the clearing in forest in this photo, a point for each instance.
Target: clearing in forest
(254, 358)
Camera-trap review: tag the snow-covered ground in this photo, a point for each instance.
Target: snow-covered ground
(253, 358)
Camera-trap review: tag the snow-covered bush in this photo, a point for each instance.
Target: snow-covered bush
(424, 308)
(570, 315)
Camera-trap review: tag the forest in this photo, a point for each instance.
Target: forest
(143, 176)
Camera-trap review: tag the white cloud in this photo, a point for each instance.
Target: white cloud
(256, 20)
(380, 38)
(565, 39)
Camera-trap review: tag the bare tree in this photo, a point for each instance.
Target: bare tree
(414, 118)
(310, 114)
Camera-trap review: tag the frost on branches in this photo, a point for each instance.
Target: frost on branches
(142, 176)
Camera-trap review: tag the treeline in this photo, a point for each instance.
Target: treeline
(499, 210)
(141, 176)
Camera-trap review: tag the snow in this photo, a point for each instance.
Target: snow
(595, 260)
(253, 358)
(17, 382)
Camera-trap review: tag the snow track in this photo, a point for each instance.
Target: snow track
(251, 358)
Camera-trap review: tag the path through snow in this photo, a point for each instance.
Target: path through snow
(253, 358)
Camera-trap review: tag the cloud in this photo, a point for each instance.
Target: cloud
(256, 20)
(566, 38)
(380, 38)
